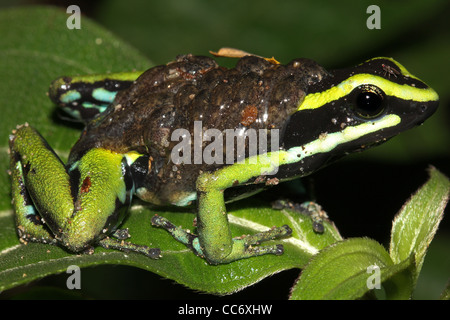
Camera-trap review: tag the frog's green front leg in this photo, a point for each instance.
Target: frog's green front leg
(214, 240)
(77, 207)
(214, 231)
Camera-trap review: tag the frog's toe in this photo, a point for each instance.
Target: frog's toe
(242, 249)
(249, 245)
(272, 234)
(280, 250)
(110, 243)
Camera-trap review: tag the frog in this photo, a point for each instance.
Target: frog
(311, 117)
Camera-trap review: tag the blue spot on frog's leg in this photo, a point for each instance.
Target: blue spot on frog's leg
(70, 96)
(101, 94)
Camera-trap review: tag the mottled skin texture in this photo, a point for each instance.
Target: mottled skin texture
(255, 94)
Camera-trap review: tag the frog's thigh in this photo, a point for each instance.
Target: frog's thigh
(214, 231)
(37, 173)
(30, 227)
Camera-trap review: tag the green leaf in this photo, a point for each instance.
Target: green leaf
(446, 293)
(416, 224)
(340, 271)
(177, 262)
(22, 263)
(348, 270)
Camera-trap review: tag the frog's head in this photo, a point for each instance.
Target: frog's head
(355, 108)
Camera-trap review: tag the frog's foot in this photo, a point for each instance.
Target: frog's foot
(118, 244)
(309, 208)
(245, 246)
(183, 236)
(248, 245)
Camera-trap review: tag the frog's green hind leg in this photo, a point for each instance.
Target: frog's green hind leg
(214, 240)
(77, 207)
(30, 226)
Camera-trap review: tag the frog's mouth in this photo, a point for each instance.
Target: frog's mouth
(410, 114)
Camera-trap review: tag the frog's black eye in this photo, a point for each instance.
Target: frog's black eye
(368, 101)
